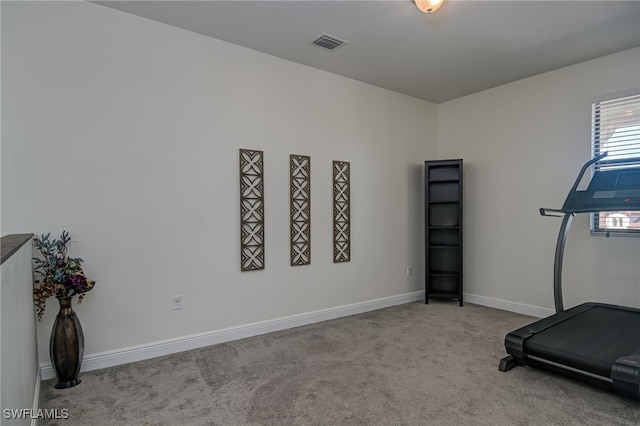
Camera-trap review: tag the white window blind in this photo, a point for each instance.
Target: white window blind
(616, 130)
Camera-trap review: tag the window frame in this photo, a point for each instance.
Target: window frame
(596, 149)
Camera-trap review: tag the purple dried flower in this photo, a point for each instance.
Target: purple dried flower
(77, 282)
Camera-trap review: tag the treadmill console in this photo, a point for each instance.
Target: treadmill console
(609, 190)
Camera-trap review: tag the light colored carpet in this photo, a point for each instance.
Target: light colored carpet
(412, 364)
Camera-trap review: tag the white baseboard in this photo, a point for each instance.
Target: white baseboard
(194, 341)
(36, 397)
(506, 305)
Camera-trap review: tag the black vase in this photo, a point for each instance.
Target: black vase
(66, 346)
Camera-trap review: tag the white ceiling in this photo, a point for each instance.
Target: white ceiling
(465, 47)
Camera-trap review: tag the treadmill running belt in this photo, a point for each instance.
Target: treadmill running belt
(591, 341)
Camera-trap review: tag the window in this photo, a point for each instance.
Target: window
(616, 130)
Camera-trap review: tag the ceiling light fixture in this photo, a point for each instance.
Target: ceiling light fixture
(428, 6)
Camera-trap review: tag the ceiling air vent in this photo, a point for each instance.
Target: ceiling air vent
(327, 41)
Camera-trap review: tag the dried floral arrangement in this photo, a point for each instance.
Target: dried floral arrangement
(60, 275)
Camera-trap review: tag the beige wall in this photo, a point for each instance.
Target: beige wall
(131, 129)
(523, 145)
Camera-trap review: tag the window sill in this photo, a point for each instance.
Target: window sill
(616, 233)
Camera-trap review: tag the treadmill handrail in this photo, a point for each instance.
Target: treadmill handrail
(551, 212)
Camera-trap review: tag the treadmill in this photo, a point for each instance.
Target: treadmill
(593, 342)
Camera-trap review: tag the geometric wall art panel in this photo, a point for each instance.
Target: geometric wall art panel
(341, 212)
(251, 210)
(300, 209)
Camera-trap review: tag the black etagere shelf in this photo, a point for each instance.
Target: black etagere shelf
(443, 229)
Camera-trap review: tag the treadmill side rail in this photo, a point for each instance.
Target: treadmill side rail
(625, 373)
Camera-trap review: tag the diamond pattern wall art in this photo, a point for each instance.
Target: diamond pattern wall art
(251, 210)
(300, 208)
(341, 211)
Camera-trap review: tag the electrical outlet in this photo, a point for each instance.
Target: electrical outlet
(409, 270)
(176, 302)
